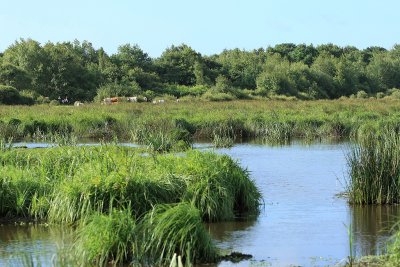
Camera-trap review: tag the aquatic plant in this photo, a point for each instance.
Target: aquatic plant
(219, 187)
(374, 169)
(103, 238)
(173, 228)
(270, 119)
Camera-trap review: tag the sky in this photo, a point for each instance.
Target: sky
(208, 26)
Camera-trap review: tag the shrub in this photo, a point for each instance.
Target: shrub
(380, 95)
(9, 95)
(362, 95)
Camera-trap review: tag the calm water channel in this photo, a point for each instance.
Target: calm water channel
(303, 222)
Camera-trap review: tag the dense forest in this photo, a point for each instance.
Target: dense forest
(34, 73)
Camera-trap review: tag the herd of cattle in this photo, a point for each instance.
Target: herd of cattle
(116, 100)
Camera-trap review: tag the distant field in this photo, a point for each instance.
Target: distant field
(235, 119)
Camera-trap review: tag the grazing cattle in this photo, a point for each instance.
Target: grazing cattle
(145, 99)
(110, 100)
(78, 103)
(159, 101)
(132, 99)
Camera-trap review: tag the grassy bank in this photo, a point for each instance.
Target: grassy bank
(128, 205)
(222, 121)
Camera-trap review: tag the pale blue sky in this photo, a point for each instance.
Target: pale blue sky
(208, 26)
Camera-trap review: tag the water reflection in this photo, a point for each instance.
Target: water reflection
(372, 226)
(223, 231)
(24, 245)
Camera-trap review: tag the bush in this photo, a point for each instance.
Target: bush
(380, 95)
(362, 95)
(394, 93)
(9, 95)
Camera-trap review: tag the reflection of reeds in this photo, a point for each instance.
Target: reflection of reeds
(374, 169)
(372, 225)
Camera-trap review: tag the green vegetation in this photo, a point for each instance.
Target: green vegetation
(127, 206)
(374, 168)
(35, 73)
(174, 126)
(375, 179)
(175, 228)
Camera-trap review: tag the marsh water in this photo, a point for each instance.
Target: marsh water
(303, 222)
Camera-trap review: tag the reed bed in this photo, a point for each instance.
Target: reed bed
(270, 119)
(374, 167)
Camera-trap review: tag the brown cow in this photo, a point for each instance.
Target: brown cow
(110, 100)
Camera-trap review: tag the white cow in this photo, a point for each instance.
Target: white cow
(132, 99)
(78, 103)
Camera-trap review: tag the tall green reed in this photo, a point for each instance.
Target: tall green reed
(374, 168)
(103, 238)
(170, 229)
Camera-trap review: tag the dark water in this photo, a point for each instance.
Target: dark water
(303, 222)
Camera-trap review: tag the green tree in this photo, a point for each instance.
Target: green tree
(242, 67)
(68, 74)
(275, 79)
(177, 63)
(14, 76)
(29, 56)
(330, 49)
(384, 70)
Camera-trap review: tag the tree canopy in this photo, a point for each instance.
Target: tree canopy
(82, 72)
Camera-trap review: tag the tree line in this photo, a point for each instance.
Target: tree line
(31, 72)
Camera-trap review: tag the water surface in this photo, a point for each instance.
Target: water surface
(303, 222)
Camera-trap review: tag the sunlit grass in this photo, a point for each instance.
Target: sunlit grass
(270, 119)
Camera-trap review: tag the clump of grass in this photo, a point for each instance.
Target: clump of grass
(220, 141)
(273, 132)
(6, 143)
(19, 190)
(118, 174)
(163, 135)
(374, 169)
(219, 187)
(170, 229)
(103, 238)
